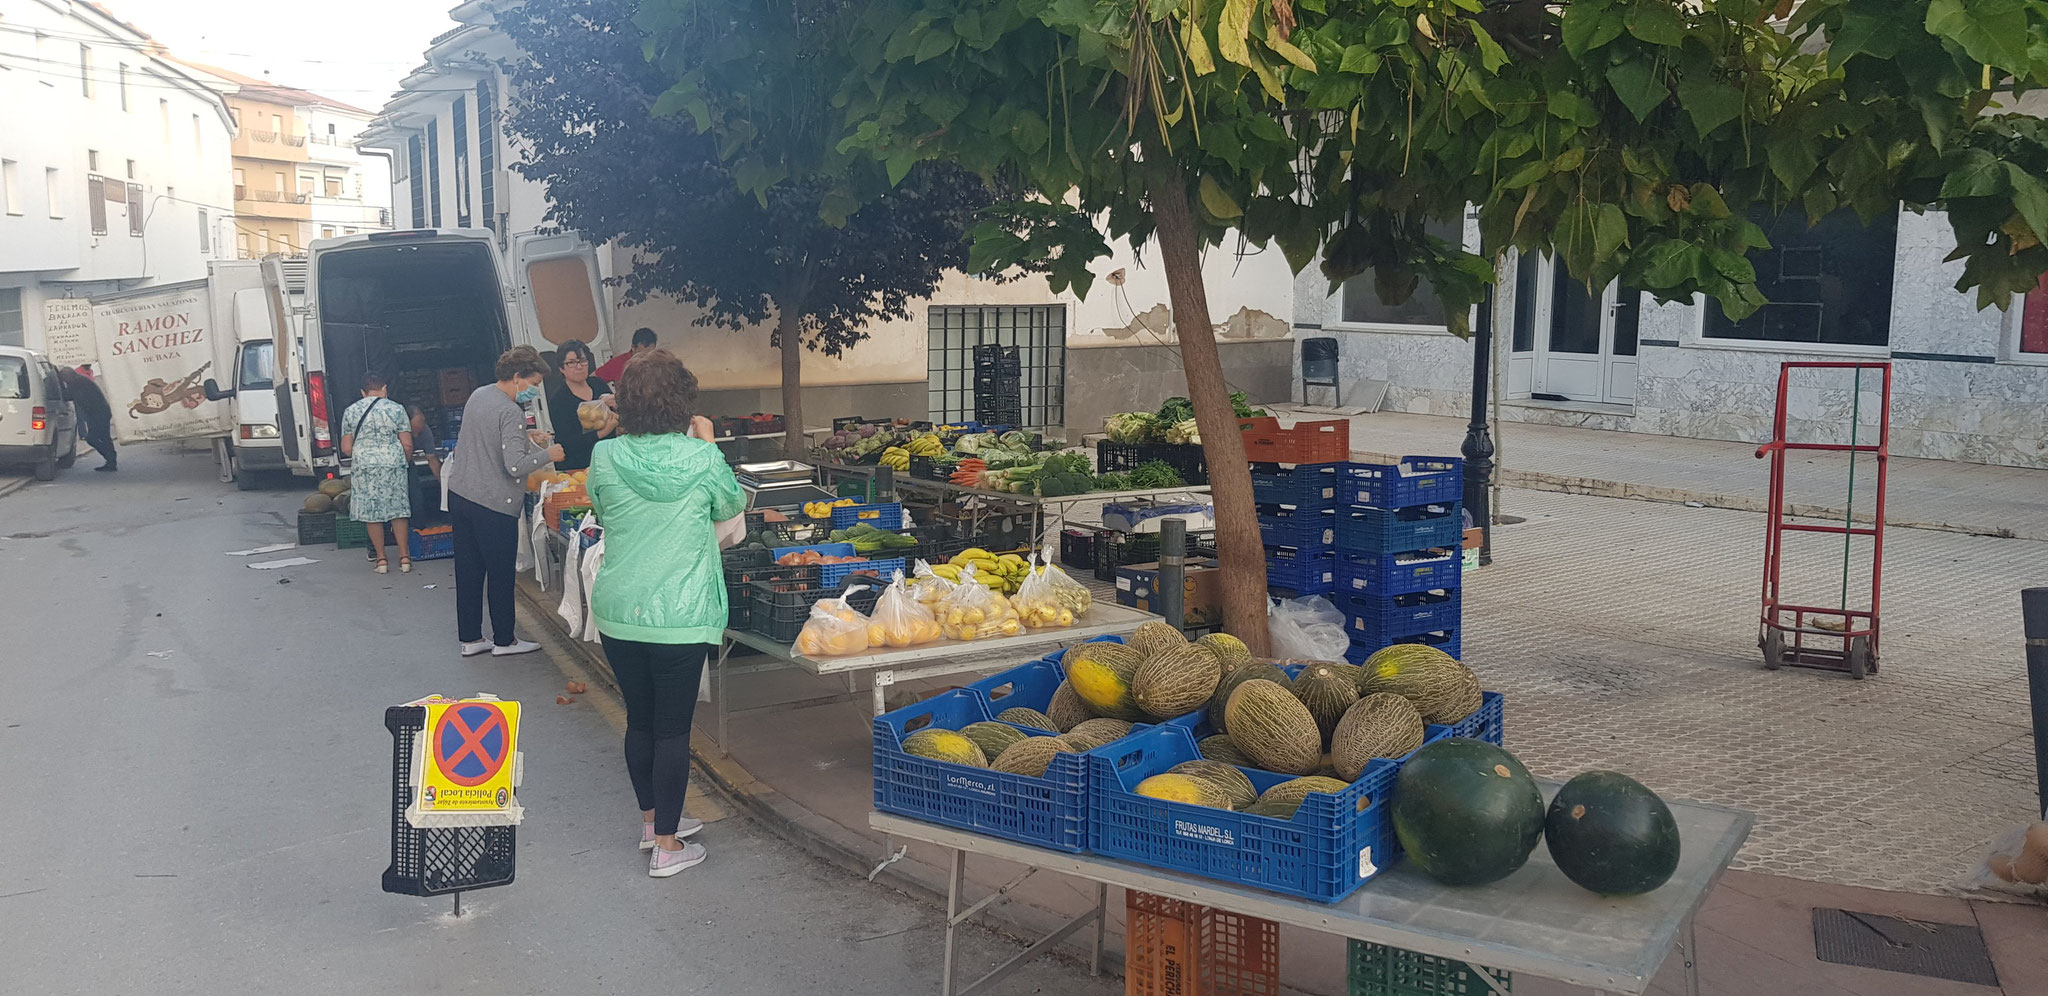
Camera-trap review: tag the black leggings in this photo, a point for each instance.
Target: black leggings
(486, 555)
(659, 682)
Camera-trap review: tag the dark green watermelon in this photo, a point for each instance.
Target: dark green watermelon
(1466, 811)
(1611, 835)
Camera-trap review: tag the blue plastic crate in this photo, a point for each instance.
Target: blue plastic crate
(1488, 723)
(1383, 574)
(827, 549)
(1301, 528)
(1373, 619)
(1310, 485)
(1418, 527)
(881, 515)
(1448, 641)
(1305, 572)
(439, 545)
(1335, 843)
(1416, 480)
(1050, 812)
(1060, 655)
(829, 575)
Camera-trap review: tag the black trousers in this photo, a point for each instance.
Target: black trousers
(486, 550)
(99, 435)
(659, 682)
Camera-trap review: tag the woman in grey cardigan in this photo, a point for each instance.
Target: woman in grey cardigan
(486, 482)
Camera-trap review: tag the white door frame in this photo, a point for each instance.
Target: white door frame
(1599, 377)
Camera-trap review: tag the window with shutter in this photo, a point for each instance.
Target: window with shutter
(96, 203)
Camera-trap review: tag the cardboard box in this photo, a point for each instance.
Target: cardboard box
(1472, 537)
(456, 386)
(1201, 590)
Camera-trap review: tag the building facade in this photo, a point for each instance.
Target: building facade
(113, 163)
(1967, 384)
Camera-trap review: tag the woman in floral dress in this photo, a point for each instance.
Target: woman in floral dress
(377, 433)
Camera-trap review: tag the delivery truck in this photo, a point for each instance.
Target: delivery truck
(430, 310)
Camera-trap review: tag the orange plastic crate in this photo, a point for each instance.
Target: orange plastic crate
(1306, 442)
(567, 498)
(1172, 948)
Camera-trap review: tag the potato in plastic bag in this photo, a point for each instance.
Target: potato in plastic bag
(2017, 863)
(835, 629)
(593, 414)
(931, 587)
(974, 611)
(1049, 597)
(900, 619)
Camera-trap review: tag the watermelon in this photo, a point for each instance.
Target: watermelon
(1466, 811)
(1611, 835)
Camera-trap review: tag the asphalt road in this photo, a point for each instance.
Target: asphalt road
(197, 783)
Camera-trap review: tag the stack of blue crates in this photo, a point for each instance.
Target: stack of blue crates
(1298, 513)
(1398, 532)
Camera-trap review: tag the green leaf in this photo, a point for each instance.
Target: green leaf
(1863, 33)
(1387, 31)
(1733, 266)
(2030, 197)
(936, 42)
(1792, 158)
(1218, 202)
(1361, 60)
(1589, 25)
(1669, 264)
(1638, 85)
(1610, 231)
(1526, 175)
(1707, 203)
(1029, 131)
(1574, 108)
(1297, 242)
(1491, 55)
(1977, 174)
(1709, 104)
(1655, 22)
(899, 165)
(1994, 32)
(1198, 48)
(1569, 160)
(1286, 50)
(1233, 27)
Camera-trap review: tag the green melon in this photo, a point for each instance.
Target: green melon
(992, 738)
(1155, 636)
(1228, 649)
(1066, 709)
(1466, 812)
(1611, 835)
(1443, 690)
(1221, 748)
(1282, 801)
(1176, 681)
(318, 504)
(1225, 778)
(1030, 756)
(1185, 789)
(334, 486)
(944, 745)
(1249, 672)
(1379, 725)
(1267, 722)
(1097, 732)
(1028, 717)
(1327, 692)
(1101, 674)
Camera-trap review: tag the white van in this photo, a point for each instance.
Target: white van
(37, 425)
(430, 310)
(258, 442)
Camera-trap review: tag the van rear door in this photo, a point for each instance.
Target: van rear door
(561, 292)
(284, 291)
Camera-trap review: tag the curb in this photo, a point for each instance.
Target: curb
(823, 839)
(10, 485)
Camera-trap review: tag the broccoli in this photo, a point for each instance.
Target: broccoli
(1057, 483)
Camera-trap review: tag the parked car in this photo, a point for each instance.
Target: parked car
(37, 425)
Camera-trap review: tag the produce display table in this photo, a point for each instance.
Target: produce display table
(928, 660)
(1036, 504)
(1535, 921)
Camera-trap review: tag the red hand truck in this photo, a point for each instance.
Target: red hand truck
(1839, 638)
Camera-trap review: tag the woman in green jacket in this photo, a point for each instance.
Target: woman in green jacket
(660, 489)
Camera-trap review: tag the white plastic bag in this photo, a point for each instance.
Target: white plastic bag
(588, 564)
(1307, 629)
(571, 609)
(2017, 856)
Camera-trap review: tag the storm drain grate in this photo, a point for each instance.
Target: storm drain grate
(1951, 951)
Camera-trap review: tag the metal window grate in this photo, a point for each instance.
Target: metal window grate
(1039, 333)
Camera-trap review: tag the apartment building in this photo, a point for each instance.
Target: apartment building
(113, 164)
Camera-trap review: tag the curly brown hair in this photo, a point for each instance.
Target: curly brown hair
(520, 361)
(656, 394)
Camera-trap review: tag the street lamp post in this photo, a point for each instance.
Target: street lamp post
(1478, 448)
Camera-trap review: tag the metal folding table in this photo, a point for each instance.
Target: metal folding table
(1535, 921)
(929, 660)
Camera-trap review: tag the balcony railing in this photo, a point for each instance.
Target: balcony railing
(263, 136)
(295, 141)
(280, 197)
(271, 137)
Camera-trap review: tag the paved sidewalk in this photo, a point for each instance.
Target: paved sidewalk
(1960, 497)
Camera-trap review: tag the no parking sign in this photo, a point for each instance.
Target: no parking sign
(466, 764)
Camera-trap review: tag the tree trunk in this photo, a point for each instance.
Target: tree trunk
(1243, 557)
(789, 331)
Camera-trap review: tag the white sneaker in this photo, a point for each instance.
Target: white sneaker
(475, 647)
(515, 647)
(662, 863)
(685, 827)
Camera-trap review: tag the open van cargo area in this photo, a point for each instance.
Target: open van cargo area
(429, 317)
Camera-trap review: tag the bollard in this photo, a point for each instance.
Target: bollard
(2034, 622)
(1169, 587)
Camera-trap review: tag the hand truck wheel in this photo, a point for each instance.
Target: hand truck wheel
(1859, 657)
(1773, 645)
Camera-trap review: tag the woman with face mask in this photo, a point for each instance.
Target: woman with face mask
(486, 482)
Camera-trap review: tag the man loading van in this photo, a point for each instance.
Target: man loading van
(95, 416)
(643, 340)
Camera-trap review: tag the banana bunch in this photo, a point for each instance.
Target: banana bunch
(1002, 573)
(927, 445)
(895, 458)
(823, 509)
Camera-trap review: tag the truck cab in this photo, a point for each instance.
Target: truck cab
(428, 309)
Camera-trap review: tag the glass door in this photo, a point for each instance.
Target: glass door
(1581, 347)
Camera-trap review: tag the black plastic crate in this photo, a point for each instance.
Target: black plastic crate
(1078, 546)
(1122, 458)
(1005, 359)
(926, 468)
(1123, 549)
(435, 861)
(316, 528)
(780, 608)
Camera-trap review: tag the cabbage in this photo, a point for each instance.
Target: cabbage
(1129, 427)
